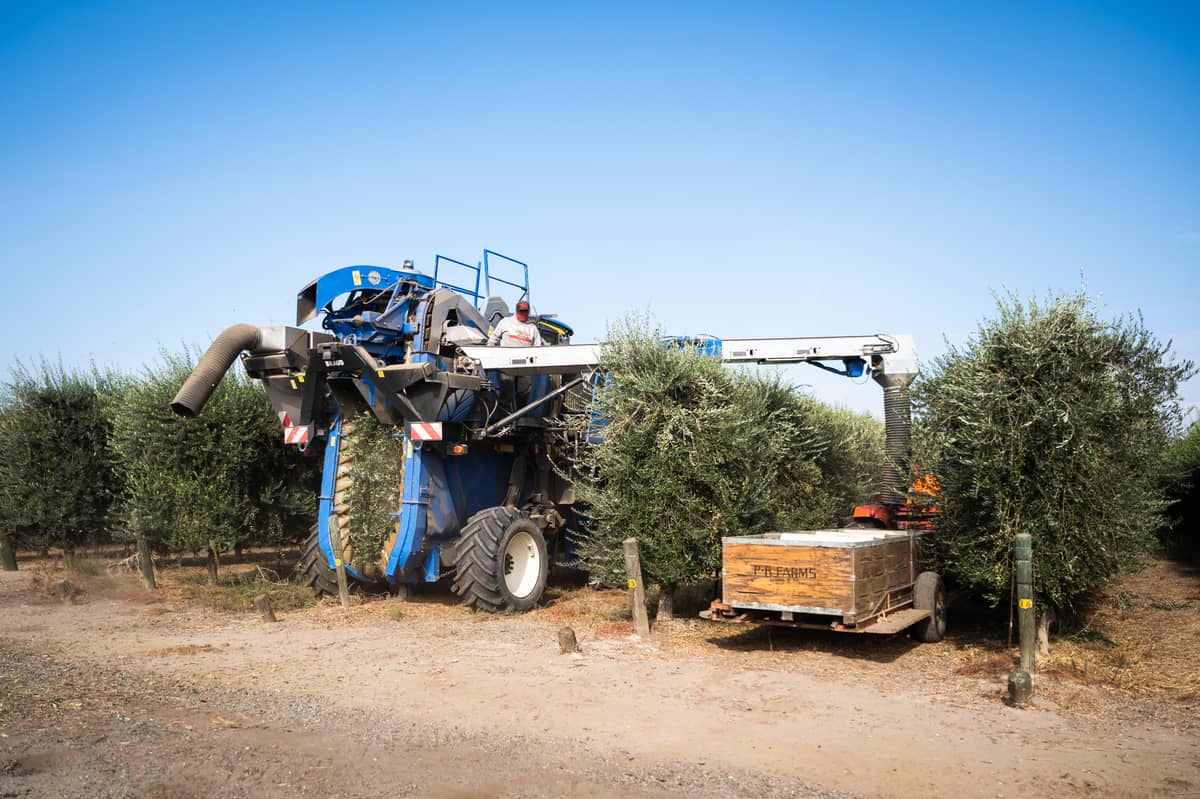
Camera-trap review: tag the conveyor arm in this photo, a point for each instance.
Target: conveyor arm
(894, 355)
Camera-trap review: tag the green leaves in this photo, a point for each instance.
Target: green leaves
(693, 452)
(224, 476)
(57, 469)
(376, 473)
(1049, 421)
(1181, 483)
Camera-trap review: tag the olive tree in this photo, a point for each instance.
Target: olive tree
(57, 467)
(1181, 483)
(217, 482)
(692, 451)
(1050, 421)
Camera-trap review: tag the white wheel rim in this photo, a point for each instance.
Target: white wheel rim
(522, 563)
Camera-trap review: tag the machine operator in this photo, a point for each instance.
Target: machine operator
(516, 330)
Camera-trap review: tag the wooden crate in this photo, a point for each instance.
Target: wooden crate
(854, 574)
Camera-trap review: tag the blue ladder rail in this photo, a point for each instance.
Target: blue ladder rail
(473, 294)
(488, 277)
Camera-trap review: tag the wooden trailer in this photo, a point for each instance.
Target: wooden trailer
(851, 580)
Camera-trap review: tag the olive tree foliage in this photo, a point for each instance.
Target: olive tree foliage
(1049, 421)
(692, 451)
(1181, 483)
(57, 468)
(376, 473)
(224, 477)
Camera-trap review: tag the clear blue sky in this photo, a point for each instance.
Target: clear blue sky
(744, 169)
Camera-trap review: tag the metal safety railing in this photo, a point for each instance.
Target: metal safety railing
(472, 293)
(488, 277)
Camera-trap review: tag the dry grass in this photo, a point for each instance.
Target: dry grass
(1142, 636)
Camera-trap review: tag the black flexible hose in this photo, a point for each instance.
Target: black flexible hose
(212, 367)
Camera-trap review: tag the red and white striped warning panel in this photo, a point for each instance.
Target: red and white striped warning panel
(425, 431)
(292, 434)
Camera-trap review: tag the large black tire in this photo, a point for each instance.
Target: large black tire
(319, 576)
(929, 594)
(501, 561)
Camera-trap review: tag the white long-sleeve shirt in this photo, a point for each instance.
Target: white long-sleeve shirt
(511, 332)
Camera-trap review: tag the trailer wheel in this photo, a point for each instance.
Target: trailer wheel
(929, 594)
(318, 575)
(501, 561)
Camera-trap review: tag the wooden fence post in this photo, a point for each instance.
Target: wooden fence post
(637, 592)
(335, 543)
(1020, 683)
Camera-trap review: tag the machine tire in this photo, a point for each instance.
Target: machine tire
(930, 594)
(486, 576)
(316, 573)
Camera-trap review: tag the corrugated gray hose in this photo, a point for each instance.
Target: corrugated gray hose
(212, 367)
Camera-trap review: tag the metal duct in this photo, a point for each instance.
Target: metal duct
(212, 367)
(897, 421)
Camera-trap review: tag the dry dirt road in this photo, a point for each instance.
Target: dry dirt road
(133, 696)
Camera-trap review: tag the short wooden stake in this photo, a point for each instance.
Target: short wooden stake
(146, 563)
(8, 553)
(335, 543)
(66, 591)
(263, 604)
(637, 592)
(567, 643)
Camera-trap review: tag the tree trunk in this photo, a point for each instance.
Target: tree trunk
(69, 558)
(146, 563)
(666, 602)
(8, 553)
(1045, 619)
(212, 563)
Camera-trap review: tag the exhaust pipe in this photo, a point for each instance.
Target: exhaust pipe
(212, 367)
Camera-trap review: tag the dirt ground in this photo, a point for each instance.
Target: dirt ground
(133, 693)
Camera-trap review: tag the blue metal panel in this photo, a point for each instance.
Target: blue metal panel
(328, 485)
(349, 278)
(433, 565)
(701, 343)
(413, 515)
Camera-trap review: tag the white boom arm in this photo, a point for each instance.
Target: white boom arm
(893, 356)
